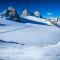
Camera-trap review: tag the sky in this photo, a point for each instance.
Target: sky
(47, 8)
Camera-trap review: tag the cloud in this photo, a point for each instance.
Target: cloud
(49, 13)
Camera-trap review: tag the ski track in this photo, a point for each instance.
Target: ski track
(16, 29)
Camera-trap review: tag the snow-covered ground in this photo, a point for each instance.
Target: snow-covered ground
(10, 51)
(31, 34)
(19, 41)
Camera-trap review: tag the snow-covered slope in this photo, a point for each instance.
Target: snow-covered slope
(31, 34)
(9, 51)
(9, 25)
(37, 19)
(19, 41)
